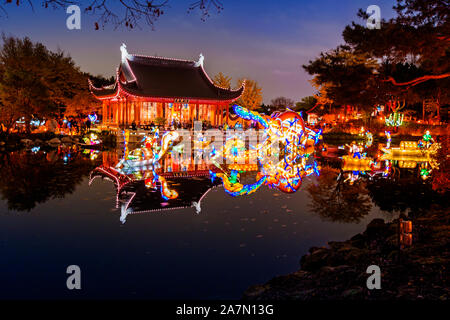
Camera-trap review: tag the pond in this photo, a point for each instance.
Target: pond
(72, 207)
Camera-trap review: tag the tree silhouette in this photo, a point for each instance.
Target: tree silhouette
(334, 200)
(28, 179)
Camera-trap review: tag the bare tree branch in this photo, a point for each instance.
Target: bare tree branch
(205, 7)
(417, 80)
(130, 14)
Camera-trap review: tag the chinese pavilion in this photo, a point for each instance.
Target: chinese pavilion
(150, 87)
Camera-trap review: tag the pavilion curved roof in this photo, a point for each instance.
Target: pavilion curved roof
(166, 78)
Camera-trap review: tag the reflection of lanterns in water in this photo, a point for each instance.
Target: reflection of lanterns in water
(388, 139)
(425, 172)
(92, 140)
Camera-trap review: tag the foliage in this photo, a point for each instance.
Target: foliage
(160, 121)
(281, 103)
(265, 109)
(222, 81)
(441, 177)
(348, 76)
(305, 104)
(251, 98)
(407, 59)
(28, 179)
(37, 82)
(334, 200)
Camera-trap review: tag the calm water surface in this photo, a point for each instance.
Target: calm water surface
(56, 210)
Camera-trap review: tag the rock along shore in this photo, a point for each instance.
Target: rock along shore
(338, 272)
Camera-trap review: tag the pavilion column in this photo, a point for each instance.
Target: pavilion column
(122, 111)
(129, 106)
(211, 113)
(113, 105)
(140, 112)
(126, 111)
(119, 112)
(228, 113)
(164, 111)
(104, 114)
(108, 111)
(120, 106)
(218, 114)
(223, 109)
(158, 110)
(116, 112)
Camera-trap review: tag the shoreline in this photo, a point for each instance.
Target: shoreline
(338, 271)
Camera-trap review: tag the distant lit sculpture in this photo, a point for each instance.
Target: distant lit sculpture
(92, 140)
(93, 117)
(357, 160)
(411, 153)
(420, 151)
(388, 139)
(394, 120)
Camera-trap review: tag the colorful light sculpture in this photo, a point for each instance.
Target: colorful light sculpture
(93, 117)
(282, 169)
(394, 120)
(421, 151)
(388, 139)
(150, 152)
(92, 140)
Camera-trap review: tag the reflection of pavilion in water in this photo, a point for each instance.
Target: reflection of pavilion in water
(190, 182)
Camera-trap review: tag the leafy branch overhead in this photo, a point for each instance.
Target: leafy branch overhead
(122, 13)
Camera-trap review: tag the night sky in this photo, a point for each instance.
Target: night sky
(264, 40)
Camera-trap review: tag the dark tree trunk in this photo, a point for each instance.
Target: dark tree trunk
(27, 124)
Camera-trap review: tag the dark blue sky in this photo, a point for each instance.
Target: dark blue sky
(263, 40)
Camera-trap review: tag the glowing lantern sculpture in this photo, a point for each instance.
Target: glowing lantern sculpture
(286, 129)
(148, 154)
(93, 117)
(92, 140)
(394, 120)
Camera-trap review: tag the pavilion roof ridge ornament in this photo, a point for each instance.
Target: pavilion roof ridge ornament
(124, 51)
(201, 58)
